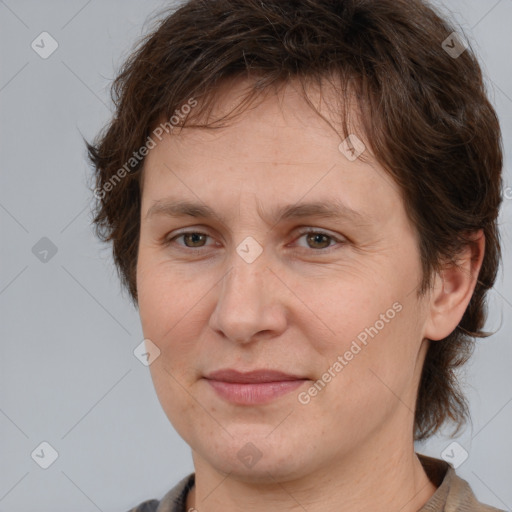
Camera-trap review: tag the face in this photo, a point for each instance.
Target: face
(330, 299)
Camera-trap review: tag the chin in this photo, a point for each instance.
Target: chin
(257, 458)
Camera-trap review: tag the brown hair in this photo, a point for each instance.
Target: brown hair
(426, 118)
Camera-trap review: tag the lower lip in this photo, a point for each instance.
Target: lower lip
(249, 394)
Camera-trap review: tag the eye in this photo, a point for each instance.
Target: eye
(318, 240)
(192, 239)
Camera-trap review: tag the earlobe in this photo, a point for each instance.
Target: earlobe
(452, 290)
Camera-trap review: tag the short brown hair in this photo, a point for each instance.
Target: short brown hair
(426, 118)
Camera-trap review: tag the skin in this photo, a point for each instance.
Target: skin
(295, 308)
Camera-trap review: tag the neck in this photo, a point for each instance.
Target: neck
(384, 480)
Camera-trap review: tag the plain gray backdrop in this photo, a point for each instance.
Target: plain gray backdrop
(68, 375)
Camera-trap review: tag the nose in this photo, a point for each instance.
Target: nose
(250, 302)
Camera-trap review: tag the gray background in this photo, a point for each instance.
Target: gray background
(68, 375)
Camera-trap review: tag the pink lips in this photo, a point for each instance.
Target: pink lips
(254, 387)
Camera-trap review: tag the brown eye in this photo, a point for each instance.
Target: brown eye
(318, 240)
(195, 239)
(191, 240)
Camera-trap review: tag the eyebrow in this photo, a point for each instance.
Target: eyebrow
(323, 209)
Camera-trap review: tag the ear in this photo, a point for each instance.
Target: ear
(452, 290)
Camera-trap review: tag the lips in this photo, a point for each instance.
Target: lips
(257, 387)
(252, 377)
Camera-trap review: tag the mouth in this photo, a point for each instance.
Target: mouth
(254, 387)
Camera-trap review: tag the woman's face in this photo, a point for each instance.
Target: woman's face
(250, 290)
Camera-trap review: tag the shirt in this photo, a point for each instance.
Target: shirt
(453, 494)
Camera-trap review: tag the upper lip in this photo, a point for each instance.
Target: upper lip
(263, 375)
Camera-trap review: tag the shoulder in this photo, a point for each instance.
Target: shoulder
(462, 497)
(173, 501)
(453, 493)
(146, 506)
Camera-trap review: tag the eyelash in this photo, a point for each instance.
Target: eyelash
(169, 241)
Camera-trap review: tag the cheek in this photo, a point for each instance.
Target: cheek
(167, 319)
(346, 312)
(172, 389)
(367, 386)
(372, 342)
(167, 312)
(166, 299)
(378, 375)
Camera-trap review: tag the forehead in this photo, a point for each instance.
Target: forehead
(289, 106)
(278, 144)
